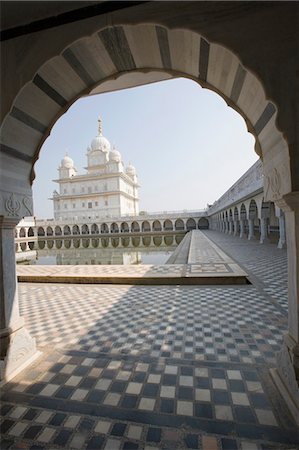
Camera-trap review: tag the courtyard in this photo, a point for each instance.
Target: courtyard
(155, 367)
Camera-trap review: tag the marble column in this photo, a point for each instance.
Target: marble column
(18, 348)
(241, 228)
(230, 227)
(264, 237)
(287, 374)
(251, 236)
(282, 232)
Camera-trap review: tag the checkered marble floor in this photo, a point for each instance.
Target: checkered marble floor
(265, 262)
(150, 367)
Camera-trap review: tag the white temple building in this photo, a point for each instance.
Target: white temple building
(108, 189)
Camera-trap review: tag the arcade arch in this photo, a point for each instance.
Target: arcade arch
(58, 231)
(157, 225)
(190, 224)
(179, 225)
(33, 108)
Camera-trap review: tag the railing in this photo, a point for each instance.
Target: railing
(141, 217)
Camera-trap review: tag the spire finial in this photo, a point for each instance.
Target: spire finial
(100, 126)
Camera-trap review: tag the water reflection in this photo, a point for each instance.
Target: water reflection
(103, 250)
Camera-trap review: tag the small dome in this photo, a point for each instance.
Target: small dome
(100, 142)
(67, 162)
(115, 155)
(130, 170)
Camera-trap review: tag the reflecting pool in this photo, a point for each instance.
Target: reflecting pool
(100, 250)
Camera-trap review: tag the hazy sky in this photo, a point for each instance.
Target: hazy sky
(187, 145)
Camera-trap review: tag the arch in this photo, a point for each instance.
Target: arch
(67, 243)
(124, 227)
(221, 71)
(135, 241)
(157, 240)
(179, 225)
(50, 244)
(76, 230)
(66, 230)
(236, 213)
(168, 240)
(30, 232)
(105, 242)
(31, 245)
(167, 225)
(23, 246)
(190, 224)
(146, 241)
(95, 242)
(22, 232)
(85, 243)
(125, 241)
(41, 231)
(243, 212)
(94, 229)
(76, 243)
(58, 230)
(253, 212)
(188, 54)
(135, 227)
(265, 210)
(49, 231)
(104, 228)
(203, 223)
(85, 229)
(59, 243)
(115, 242)
(114, 228)
(41, 244)
(145, 226)
(157, 225)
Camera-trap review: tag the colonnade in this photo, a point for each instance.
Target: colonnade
(135, 226)
(253, 219)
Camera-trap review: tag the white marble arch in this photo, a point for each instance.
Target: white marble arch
(154, 52)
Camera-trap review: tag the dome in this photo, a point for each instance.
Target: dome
(130, 170)
(67, 162)
(115, 155)
(100, 142)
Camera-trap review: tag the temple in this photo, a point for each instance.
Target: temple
(108, 189)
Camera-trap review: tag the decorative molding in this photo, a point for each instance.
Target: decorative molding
(12, 205)
(15, 205)
(250, 182)
(273, 185)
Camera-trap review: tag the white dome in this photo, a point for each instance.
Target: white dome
(100, 143)
(67, 162)
(130, 170)
(115, 155)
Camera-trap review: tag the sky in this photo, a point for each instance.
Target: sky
(187, 145)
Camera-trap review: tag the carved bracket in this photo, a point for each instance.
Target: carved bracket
(15, 205)
(275, 185)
